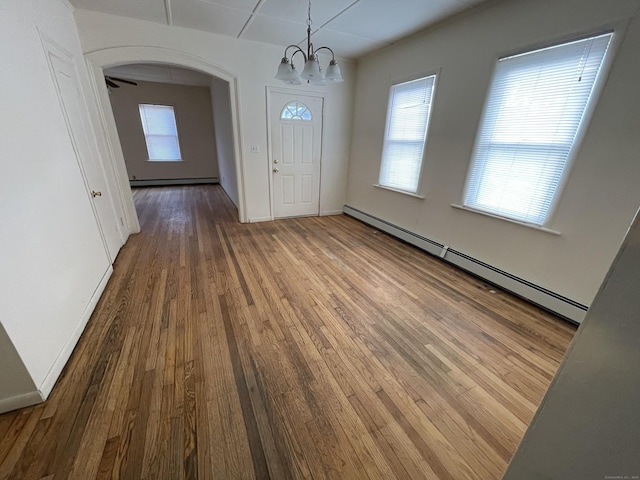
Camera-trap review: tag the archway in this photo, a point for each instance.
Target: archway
(114, 56)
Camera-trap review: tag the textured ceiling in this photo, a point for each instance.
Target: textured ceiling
(352, 28)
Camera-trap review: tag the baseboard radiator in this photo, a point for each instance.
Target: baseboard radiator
(172, 181)
(558, 304)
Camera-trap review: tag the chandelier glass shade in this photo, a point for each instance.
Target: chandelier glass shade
(312, 71)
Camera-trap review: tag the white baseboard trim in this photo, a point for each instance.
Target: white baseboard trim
(562, 306)
(260, 219)
(56, 369)
(331, 212)
(173, 181)
(20, 401)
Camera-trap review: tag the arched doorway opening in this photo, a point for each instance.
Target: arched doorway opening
(99, 60)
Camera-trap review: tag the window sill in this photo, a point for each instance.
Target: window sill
(510, 220)
(399, 191)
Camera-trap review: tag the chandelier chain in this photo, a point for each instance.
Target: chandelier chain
(309, 23)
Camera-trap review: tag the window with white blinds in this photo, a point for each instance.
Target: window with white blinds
(160, 132)
(534, 111)
(405, 134)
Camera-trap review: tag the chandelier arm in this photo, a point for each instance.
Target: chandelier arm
(333, 57)
(298, 49)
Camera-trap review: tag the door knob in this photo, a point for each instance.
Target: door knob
(275, 161)
(275, 170)
(95, 194)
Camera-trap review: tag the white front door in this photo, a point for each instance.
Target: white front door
(296, 150)
(77, 119)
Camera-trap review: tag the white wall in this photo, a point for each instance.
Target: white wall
(53, 258)
(601, 194)
(223, 128)
(192, 108)
(254, 66)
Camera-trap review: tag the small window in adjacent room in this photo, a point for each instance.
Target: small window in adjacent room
(160, 132)
(406, 133)
(534, 113)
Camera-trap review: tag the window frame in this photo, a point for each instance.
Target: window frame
(617, 31)
(399, 81)
(177, 135)
(297, 117)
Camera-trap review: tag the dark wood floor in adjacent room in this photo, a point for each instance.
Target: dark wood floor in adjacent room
(302, 348)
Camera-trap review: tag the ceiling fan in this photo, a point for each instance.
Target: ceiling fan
(111, 81)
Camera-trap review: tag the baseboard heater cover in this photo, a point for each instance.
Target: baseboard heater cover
(558, 304)
(173, 181)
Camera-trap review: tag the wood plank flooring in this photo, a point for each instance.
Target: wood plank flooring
(302, 348)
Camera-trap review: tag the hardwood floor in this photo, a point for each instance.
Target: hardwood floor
(302, 348)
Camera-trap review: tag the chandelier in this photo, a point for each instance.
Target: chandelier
(312, 72)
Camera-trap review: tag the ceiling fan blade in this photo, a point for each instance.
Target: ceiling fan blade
(116, 79)
(110, 83)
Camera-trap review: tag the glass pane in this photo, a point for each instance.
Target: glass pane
(161, 133)
(296, 111)
(518, 187)
(158, 120)
(163, 147)
(404, 173)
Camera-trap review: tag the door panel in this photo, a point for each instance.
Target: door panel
(306, 189)
(296, 150)
(77, 119)
(288, 190)
(306, 144)
(287, 144)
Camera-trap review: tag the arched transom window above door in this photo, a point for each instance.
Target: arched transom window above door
(296, 111)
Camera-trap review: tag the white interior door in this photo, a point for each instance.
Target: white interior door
(296, 151)
(78, 125)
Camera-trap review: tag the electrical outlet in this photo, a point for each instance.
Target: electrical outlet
(255, 148)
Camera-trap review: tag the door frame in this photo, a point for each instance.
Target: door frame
(295, 92)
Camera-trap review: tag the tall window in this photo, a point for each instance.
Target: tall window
(534, 111)
(406, 133)
(160, 132)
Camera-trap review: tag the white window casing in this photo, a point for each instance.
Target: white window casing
(534, 111)
(406, 133)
